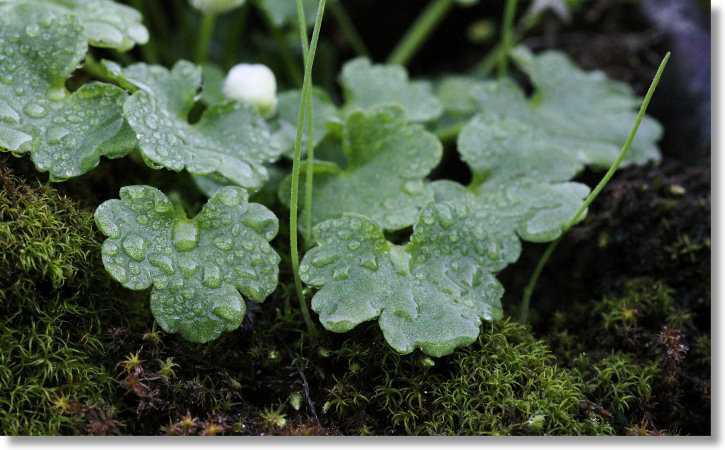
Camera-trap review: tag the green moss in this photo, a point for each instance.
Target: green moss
(54, 295)
(505, 384)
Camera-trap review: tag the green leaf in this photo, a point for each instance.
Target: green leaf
(230, 140)
(368, 86)
(430, 294)
(65, 134)
(584, 111)
(197, 267)
(284, 12)
(522, 151)
(387, 161)
(288, 109)
(107, 23)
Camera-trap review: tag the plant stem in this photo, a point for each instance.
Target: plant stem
(348, 28)
(205, 35)
(294, 194)
(309, 174)
(528, 291)
(419, 32)
(506, 37)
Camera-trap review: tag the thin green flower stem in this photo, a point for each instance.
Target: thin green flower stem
(284, 53)
(205, 35)
(528, 291)
(506, 37)
(309, 174)
(348, 28)
(419, 32)
(294, 194)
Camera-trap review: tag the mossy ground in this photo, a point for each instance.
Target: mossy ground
(623, 346)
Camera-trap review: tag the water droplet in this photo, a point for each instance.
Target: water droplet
(414, 187)
(223, 242)
(163, 262)
(247, 274)
(341, 273)
(212, 276)
(117, 272)
(228, 313)
(321, 260)
(187, 266)
(55, 134)
(8, 114)
(32, 30)
(34, 110)
(135, 247)
(110, 249)
(185, 235)
(370, 264)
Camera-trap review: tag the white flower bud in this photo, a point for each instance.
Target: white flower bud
(252, 83)
(215, 6)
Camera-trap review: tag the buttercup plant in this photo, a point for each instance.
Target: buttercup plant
(369, 159)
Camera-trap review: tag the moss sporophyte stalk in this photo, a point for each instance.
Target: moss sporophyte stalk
(378, 234)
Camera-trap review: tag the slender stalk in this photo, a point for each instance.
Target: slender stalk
(205, 35)
(309, 173)
(506, 37)
(528, 291)
(420, 31)
(348, 28)
(294, 194)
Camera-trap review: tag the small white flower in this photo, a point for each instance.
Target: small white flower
(252, 83)
(215, 6)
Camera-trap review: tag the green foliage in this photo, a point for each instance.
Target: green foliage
(380, 180)
(230, 140)
(369, 86)
(430, 294)
(504, 384)
(106, 23)
(65, 133)
(196, 266)
(55, 305)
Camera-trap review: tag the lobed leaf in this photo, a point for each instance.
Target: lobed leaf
(106, 23)
(430, 294)
(197, 267)
(230, 140)
(367, 86)
(65, 133)
(387, 161)
(592, 120)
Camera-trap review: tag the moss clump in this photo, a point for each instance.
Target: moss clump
(53, 293)
(505, 384)
(633, 352)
